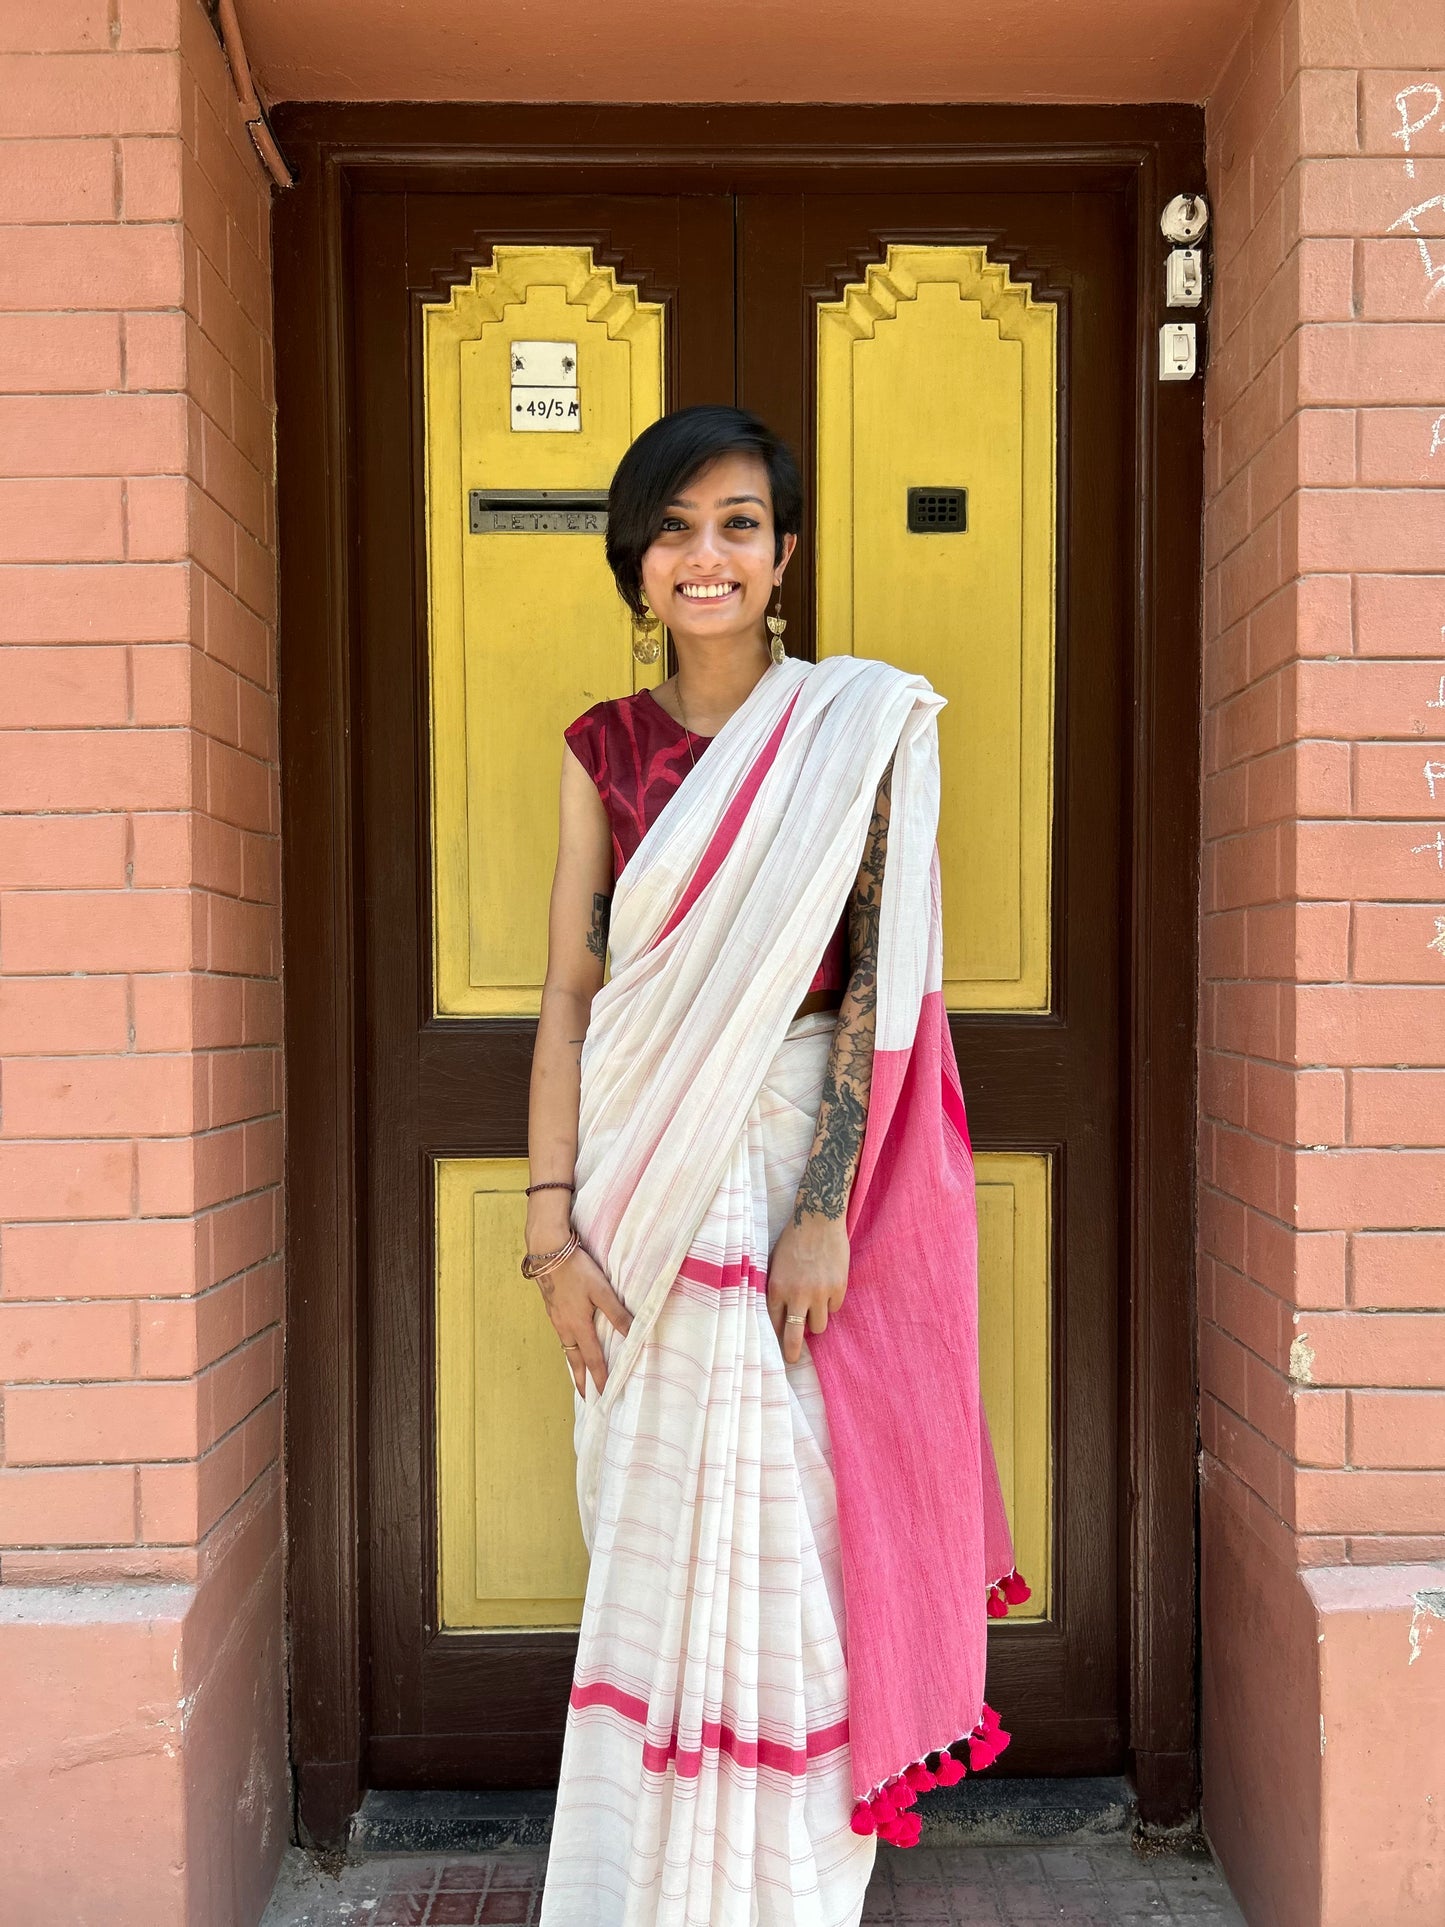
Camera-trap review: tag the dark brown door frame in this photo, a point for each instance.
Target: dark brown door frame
(1152, 153)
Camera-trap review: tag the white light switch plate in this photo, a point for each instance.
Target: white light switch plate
(1184, 278)
(1176, 351)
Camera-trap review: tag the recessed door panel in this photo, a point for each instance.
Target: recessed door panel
(936, 512)
(509, 1543)
(1015, 1348)
(540, 369)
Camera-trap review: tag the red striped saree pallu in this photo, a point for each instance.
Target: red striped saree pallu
(785, 1612)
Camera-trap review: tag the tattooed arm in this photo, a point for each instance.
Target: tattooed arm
(838, 1140)
(576, 955)
(808, 1272)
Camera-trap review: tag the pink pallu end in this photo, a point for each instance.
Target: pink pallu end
(924, 1534)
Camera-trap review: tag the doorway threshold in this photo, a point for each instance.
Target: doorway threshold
(1003, 1812)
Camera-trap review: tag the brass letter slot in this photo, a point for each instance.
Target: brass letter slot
(537, 511)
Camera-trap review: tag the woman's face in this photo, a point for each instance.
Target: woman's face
(711, 571)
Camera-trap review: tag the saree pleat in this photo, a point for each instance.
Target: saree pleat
(705, 1780)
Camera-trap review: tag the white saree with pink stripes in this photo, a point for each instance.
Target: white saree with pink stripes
(792, 1567)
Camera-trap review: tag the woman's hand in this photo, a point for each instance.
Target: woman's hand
(574, 1292)
(807, 1278)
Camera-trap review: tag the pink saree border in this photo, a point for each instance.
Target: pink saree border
(741, 1276)
(731, 821)
(716, 1737)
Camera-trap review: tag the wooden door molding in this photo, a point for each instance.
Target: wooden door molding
(1146, 154)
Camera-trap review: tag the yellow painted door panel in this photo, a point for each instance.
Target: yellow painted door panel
(938, 371)
(511, 1548)
(1016, 1352)
(526, 628)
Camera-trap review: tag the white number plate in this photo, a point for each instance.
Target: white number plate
(544, 387)
(546, 408)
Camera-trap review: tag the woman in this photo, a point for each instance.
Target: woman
(751, 1133)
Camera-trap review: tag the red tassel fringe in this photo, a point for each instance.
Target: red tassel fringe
(1011, 1590)
(887, 1812)
(887, 1815)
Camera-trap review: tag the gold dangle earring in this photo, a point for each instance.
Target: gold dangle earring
(777, 623)
(646, 639)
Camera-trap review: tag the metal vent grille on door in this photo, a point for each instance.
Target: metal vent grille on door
(937, 511)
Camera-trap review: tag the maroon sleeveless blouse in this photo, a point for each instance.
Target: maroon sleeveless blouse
(637, 756)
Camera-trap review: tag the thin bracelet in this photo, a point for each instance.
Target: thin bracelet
(549, 1184)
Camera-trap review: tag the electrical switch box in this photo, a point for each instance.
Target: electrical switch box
(1176, 351)
(1184, 278)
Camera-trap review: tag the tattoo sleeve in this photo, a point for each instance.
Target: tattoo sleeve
(597, 933)
(843, 1112)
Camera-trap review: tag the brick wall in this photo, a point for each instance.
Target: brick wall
(140, 1134)
(1322, 1288)
(139, 1011)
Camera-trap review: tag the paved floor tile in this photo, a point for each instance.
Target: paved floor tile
(1079, 1883)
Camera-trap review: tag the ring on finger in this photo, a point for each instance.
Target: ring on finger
(571, 1348)
(796, 1318)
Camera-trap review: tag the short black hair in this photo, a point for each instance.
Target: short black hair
(665, 458)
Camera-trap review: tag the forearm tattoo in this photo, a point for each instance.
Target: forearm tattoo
(597, 935)
(843, 1111)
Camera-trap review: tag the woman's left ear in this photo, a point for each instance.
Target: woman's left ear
(790, 542)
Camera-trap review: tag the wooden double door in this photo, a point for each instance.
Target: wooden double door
(957, 366)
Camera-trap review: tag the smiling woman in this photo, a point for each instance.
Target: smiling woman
(704, 511)
(705, 1130)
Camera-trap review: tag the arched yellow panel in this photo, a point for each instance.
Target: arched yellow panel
(937, 373)
(539, 372)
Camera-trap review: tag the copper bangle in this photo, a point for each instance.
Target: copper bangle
(536, 1264)
(549, 1184)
